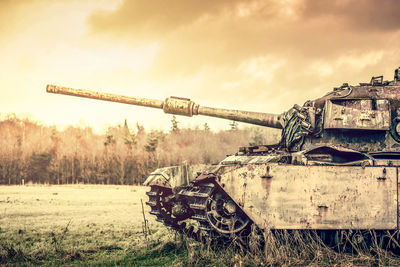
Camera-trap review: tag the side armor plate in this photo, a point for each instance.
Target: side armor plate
(278, 196)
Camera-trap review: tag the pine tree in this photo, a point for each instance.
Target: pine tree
(234, 125)
(174, 126)
(206, 127)
(152, 142)
(257, 138)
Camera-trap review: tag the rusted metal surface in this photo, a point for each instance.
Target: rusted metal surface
(175, 176)
(104, 96)
(180, 106)
(314, 197)
(257, 118)
(360, 116)
(176, 105)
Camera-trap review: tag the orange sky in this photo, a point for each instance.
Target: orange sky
(259, 55)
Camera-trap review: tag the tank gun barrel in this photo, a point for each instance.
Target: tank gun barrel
(176, 105)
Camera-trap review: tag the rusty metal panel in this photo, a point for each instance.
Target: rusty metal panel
(279, 196)
(363, 118)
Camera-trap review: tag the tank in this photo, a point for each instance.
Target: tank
(335, 168)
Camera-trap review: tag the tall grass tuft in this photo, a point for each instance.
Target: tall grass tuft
(294, 248)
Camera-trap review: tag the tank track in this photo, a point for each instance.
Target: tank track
(156, 195)
(201, 202)
(197, 198)
(158, 202)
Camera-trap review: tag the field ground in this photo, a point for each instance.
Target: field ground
(76, 224)
(103, 225)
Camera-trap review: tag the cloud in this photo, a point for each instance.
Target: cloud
(366, 15)
(225, 32)
(155, 17)
(262, 55)
(296, 49)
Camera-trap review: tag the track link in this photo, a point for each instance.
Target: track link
(198, 197)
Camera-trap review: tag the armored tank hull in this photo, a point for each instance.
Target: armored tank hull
(272, 189)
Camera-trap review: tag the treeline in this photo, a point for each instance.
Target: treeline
(34, 153)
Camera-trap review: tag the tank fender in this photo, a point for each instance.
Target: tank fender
(174, 176)
(158, 177)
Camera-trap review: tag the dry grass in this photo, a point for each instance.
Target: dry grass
(103, 225)
(288, 248)
(44, 224)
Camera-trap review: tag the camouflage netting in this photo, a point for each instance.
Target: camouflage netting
(294, 131)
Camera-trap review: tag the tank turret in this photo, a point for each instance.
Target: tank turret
(365, 117)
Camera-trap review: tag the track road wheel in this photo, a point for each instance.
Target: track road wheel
(225, 216)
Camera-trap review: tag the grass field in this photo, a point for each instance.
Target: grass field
(78, 224)
(87, 225)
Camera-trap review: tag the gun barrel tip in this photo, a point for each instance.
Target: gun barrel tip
(50, 88)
